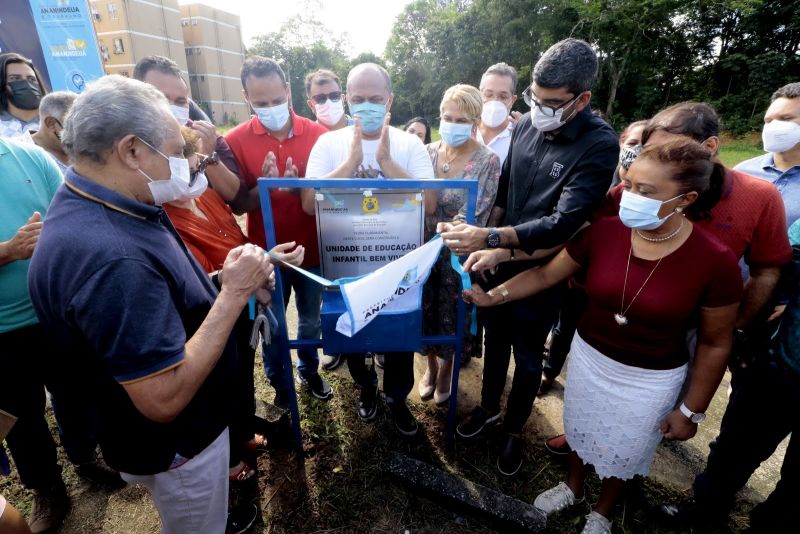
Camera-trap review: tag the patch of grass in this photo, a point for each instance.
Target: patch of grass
(340, 485)
(734, 152)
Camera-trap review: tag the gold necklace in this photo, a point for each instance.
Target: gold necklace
(620, 317)
(446, 165)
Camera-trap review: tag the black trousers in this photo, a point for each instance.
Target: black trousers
(398, 374)
(761, 412)
(242, 420)
(522, 325)
(571, 310)
(23, 370)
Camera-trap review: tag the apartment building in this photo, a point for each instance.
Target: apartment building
(214, 56)
(206, 43)
(128, 30)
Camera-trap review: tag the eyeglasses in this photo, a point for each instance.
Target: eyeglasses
(530, 99)
(333, 96)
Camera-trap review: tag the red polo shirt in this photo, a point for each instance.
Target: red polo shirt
(250, 143)
(749, 218)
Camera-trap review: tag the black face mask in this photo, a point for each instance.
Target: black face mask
(24, 94)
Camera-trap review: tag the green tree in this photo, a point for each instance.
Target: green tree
(302, 45)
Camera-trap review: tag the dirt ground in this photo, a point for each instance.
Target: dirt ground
(332, 432)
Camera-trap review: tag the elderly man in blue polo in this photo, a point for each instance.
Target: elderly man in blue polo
(138, 320)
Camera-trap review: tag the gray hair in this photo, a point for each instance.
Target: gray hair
(570, 63)
(502, 69)
(366, 67)
(56, 105)
(109, 109)
(790, 90)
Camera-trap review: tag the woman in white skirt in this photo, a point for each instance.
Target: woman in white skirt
(650, 276)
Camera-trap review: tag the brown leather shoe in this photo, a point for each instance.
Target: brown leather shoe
(50, 506)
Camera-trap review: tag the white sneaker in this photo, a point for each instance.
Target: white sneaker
(596, 524)
(556, 499)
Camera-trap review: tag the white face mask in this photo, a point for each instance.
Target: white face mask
(176, 186)
(494, 113)
(780, 136)
(197, 188)
(329, 113)
(545, 123)
(180, 113)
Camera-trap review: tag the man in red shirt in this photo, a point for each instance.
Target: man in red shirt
(750, 217)
(277, 142)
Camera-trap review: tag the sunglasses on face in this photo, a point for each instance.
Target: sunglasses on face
(333, 96)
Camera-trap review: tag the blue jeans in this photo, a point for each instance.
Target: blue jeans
(308, 299)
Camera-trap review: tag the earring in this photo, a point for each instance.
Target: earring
(679, 209)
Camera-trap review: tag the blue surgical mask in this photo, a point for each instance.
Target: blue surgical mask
(455, 134)
(371, 115)
(636, 211)
(273, 118)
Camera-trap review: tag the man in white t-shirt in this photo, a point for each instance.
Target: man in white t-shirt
(498, 89)
(372, 148)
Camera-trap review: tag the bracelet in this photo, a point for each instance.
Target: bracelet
(503, 291)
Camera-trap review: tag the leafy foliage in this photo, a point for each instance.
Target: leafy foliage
(652, 53)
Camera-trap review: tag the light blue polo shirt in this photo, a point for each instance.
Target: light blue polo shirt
(28, 181)
(788, 182)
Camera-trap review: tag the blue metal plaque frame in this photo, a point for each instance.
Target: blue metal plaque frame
(285, 345)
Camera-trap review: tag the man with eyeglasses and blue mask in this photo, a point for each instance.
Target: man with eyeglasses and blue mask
(372, 148)
(276, 141)
(138, 323)
(558, 168)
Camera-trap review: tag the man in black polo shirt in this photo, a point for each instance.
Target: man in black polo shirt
(558, 168)
(139, 322)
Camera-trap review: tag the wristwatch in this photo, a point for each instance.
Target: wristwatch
(695, 418)
(493, 239)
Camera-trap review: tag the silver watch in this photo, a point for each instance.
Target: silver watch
(695, 418)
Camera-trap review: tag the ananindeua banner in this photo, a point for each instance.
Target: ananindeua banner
(394, 288)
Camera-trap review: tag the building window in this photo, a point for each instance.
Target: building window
(184, 22)
(95, 13)
(125, 73)
(189, 51)
(119, 48)
(194, 22)
(104, 52)
(113, 13)
(202, 78)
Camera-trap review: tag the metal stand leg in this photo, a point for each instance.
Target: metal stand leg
(458, 346)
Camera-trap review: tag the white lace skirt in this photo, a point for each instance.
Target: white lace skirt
(612, 411)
